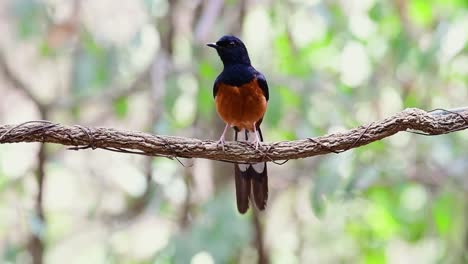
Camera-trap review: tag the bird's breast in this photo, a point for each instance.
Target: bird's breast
(241, 106)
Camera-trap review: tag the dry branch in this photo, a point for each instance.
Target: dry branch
(428, 123)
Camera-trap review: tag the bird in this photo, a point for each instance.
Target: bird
(241, 96)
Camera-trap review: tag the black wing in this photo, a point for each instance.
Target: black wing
(263, 84)
(215, 86)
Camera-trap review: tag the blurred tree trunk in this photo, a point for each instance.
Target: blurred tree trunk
(263, 256)
(36, 243)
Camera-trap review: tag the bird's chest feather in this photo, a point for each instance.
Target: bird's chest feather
(241, 106)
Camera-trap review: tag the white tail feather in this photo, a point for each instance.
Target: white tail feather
(259, 167)
(242, 137)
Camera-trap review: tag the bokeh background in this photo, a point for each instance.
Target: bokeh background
(143, 65)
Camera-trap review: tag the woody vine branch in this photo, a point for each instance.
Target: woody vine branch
(436, 122)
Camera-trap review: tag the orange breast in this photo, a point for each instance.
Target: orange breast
(241, 106)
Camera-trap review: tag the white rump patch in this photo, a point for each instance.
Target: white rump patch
(241, 136)
(243, 167)
(259, 167)
(251, 136)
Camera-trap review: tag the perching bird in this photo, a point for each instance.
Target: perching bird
(241, 96)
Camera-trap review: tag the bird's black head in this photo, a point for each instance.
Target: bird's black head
(231, 50)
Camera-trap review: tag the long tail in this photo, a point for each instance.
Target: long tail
(251, 179)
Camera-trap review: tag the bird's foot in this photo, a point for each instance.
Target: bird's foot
(221, 142)
(255, 143)
(257, 140)
(221, 139)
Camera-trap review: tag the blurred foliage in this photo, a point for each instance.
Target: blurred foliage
(330, 65)
(219, 230)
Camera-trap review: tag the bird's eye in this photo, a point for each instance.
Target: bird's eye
(232, 44)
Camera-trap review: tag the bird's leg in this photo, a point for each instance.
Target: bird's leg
(221, 139)
(257, 139)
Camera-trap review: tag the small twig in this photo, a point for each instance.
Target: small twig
(18, 83)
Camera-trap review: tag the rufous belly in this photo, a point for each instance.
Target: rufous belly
(241, 106)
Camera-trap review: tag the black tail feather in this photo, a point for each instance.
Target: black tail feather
(242, 190)
(260, 188)
(250, 182)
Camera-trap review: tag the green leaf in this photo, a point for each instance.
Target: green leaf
(411, 100)
(412, 211)
(420, 12)
(45, 50)
(288, 60)
(452, 4)
(31, 15)
(345, 89)
(377, 147)
(207, 71)
(380, 215)
(205, 101)
(10, 252)
(390, 26)
(287, 135)
(443, 213)
(275, 111)
(382, 222)
(375, 256)
(289, 97)
(121, 107)
(377, 12)
(94, 67)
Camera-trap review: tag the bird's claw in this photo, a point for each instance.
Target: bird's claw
(255, 143)
(220, 141)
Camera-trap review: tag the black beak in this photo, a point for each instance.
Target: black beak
(213, 45)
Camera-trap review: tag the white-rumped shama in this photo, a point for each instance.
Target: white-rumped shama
(241, 96)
